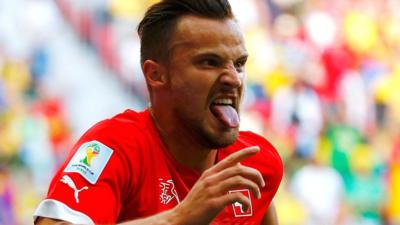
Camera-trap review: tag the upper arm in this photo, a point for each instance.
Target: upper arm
(271, 168)
(270, 217)
(87, 191)
(48, 221)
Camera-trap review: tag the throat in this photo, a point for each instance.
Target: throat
(182, 147)
(198, 159)
(204, 161)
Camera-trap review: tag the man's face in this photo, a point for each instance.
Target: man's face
(205, 79)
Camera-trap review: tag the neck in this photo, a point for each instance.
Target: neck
(183, 148)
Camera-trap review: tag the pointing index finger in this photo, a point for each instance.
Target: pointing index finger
(236, 157)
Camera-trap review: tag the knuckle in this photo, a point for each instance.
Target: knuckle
(206, 173)
(238, 180)
(230, 160)
(238, 168)
(207, 182)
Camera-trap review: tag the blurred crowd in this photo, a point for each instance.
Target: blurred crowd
(33, 129)
(323, 87)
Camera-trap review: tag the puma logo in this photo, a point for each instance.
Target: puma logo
(67, 180)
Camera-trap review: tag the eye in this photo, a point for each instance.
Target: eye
(209, 62)
(239, 65)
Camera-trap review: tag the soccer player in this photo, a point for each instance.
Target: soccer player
(183, 160)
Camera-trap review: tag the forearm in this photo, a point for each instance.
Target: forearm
(169, 217)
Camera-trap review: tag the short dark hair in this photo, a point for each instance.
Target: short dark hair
(159, 23)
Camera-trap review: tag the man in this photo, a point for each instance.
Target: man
(182, 161)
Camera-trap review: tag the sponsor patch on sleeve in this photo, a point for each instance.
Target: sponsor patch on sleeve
(90, 160)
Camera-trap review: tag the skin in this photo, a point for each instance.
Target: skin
(204, 64)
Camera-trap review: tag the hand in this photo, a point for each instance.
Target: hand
(210, 193)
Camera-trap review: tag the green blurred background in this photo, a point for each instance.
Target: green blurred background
(323, 85)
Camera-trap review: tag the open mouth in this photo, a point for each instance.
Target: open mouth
(225, 110)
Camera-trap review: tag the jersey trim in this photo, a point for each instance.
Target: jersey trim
(54, 209)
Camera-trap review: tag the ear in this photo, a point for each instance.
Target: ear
(154, 73)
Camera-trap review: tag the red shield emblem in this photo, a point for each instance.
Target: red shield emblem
(238, 209)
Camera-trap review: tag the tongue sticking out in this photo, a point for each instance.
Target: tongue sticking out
(226, 114)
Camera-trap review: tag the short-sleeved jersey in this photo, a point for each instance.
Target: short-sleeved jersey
(120, 170)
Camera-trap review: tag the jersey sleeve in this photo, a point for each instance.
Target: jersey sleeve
(269, 162)
(90, 187)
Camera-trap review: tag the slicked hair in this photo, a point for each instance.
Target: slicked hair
(159, 23)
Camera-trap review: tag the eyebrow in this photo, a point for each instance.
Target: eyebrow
(243, 57)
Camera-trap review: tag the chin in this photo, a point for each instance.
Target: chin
(222, 139)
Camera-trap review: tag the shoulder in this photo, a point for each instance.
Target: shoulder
(267, 161)
(114, 142)
(248, 138)
(123, 129)
(128, 120)
(108, 161)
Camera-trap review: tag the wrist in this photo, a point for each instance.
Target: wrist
(183, 214)
(177, 216)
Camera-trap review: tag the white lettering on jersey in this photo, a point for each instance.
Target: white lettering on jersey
(67, 180)
(168, 191)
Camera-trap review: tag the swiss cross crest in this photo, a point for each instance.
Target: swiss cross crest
(168, 191)
(238, 208)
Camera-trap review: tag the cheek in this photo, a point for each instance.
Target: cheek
(191, 82)
(191, 95)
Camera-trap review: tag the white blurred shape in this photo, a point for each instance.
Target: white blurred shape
(286, 3)
(358, 103)
(321, 28)
(245, 12)
(250, 120)
(320, 189)
(41, 19)
(13, 41)
(286, 25)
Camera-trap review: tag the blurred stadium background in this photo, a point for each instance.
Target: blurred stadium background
(323, 86)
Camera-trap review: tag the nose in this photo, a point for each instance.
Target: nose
(231, 78)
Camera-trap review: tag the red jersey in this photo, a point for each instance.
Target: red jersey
(120, 170)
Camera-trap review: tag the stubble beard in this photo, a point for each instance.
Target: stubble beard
(205, 136)
(224, 140)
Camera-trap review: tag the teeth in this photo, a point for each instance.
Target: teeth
(223, 101)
